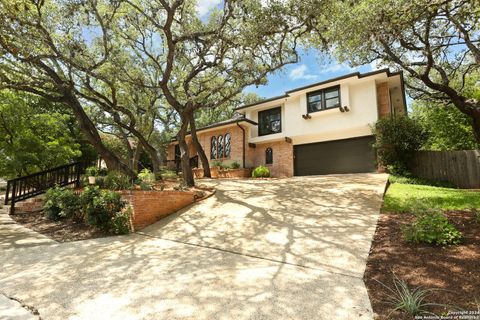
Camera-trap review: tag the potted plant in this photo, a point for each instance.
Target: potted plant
(91, 173)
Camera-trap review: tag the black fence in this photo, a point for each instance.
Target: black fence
(22, 188)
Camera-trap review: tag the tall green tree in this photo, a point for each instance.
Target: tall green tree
(32, 139)
(206, 63)
(435, 42)
(447, 127)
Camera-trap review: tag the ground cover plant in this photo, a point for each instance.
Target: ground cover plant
(261, 172)
(430, 238)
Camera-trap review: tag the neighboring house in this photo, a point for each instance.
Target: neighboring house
(322, 128)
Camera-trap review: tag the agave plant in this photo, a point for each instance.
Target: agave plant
(411, 301)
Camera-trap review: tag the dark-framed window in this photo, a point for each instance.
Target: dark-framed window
(213, 148)
(268, 156)
(227, 145)
(324, 99)
(220, 147)
(270, 121)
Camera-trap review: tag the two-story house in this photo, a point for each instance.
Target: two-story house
(322, 128)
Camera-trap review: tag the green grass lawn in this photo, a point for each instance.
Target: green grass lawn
(409, 197)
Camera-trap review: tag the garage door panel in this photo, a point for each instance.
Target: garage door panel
(340, 156)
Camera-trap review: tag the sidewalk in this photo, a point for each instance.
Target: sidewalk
(13, 235)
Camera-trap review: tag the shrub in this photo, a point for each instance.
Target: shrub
(218, 164)
(396, 140)
(261, 172)
(121, 222)
(101, 206)
(61, 203)
(167, 173)
(476, 215)
(91, 171)
(432, 228)
(117, 181)
(146, 176)
(235, 165)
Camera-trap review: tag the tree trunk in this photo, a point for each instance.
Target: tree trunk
(90, 131)
(199, 149)
(184, 155)
(136, 157)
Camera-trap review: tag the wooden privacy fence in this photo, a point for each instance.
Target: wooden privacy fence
(461, 168)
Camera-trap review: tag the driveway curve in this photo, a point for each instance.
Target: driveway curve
(265, 249)
(321, 222)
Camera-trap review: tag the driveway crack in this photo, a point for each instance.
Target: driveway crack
(31, 309)
(250, 255)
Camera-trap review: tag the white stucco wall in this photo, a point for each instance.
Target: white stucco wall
(358, 95)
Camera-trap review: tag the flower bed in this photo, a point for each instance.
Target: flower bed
(224, 173)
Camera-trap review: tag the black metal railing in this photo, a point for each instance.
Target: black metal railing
(22, 188)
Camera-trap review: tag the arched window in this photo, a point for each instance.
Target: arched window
(269, 156)
(213, 148)
(220, 147)
(227, 145)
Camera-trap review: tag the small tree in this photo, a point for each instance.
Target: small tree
(396, 140)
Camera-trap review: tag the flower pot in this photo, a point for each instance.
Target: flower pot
(91, 180)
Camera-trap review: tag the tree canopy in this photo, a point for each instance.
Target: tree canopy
(32, 136)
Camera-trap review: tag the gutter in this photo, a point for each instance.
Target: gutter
(243, 146)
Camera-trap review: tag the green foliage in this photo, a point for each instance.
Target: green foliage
(218, 164)
(404, 299)
(168, 174)
(476, 214)
(235, 165)
(101, 206)
(32, 139)
(447, 127)
(432, 228)
(121, 222)
(396, 140)
(407, 197)
(61, 203)
(91, 171)
(146, 176)
(261, 172)
(115, 180)
(419, 181)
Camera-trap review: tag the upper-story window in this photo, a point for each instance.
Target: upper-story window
(269, 121)
(323, 99)
(220, 146)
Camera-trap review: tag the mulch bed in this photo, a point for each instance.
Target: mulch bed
(455, 269)
(62, 231)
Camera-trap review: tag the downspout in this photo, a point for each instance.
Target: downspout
(243, 153)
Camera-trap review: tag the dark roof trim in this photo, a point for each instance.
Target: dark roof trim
(262, 101)
(350, 75)
(221, 124)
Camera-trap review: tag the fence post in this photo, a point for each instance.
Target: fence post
(14, 190)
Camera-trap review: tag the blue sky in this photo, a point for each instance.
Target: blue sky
(312, 67)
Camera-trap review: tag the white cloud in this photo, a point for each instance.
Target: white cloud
(204, 6)
(338, 67)
(299, 73)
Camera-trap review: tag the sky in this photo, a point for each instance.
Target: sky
(311, 68)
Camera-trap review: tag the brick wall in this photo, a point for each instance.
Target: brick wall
(150, 206)
(236, 144)
(282, 165)
(383, 100)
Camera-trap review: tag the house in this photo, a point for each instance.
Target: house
(322, 128)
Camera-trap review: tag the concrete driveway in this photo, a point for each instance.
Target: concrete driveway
(269, 249)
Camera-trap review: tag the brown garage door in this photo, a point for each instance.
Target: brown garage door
(339, 156)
